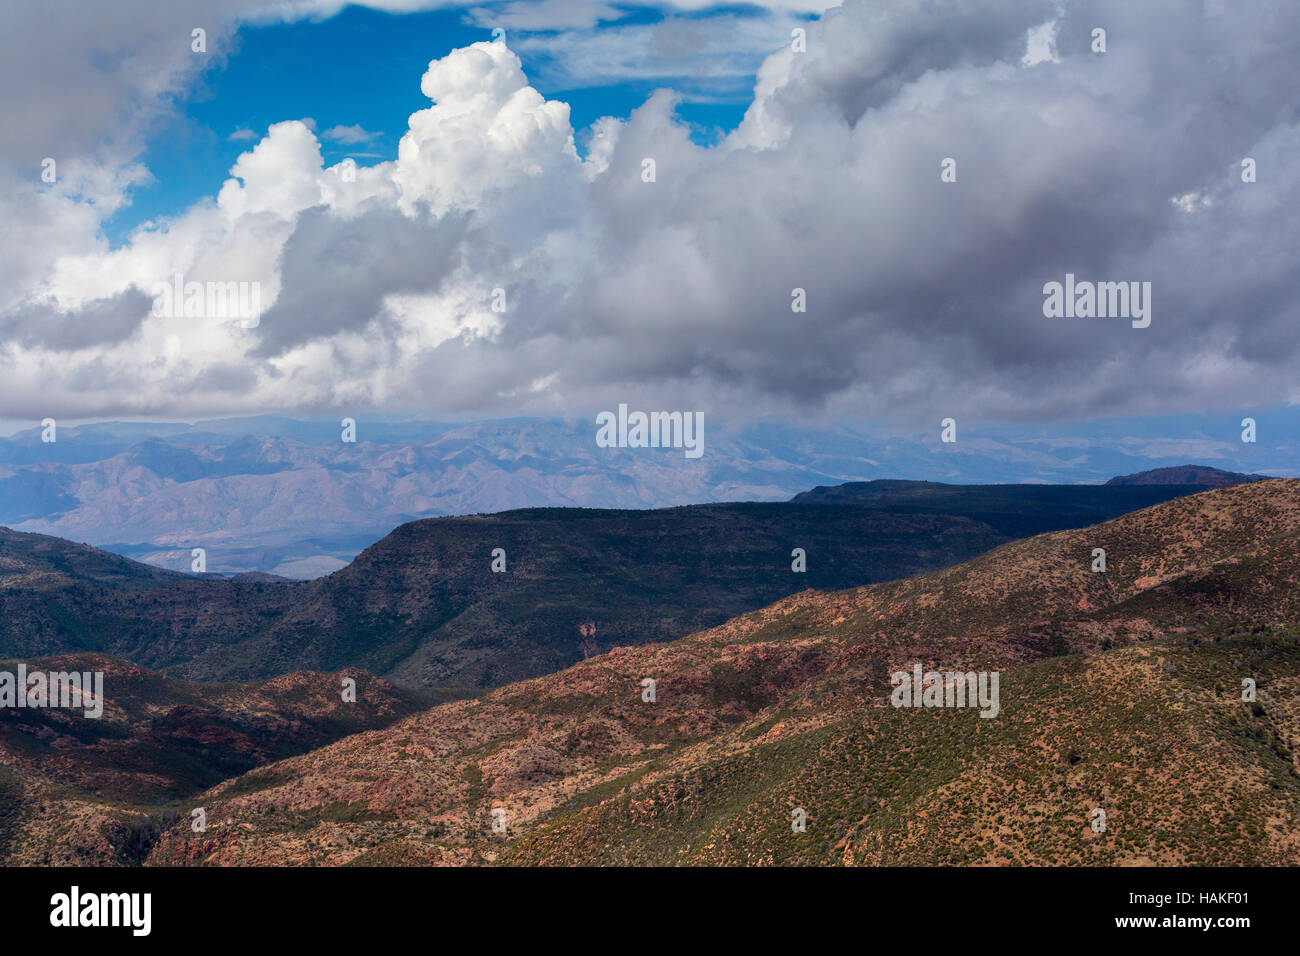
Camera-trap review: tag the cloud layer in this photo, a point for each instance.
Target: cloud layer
(491, 268)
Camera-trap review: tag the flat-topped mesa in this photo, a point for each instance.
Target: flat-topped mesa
(1200, 475)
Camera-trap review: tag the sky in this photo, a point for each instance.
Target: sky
(351, 77)
(854, 213)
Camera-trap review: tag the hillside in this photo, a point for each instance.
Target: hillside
(77, 789)
(423, 607)
(57, 597)
(1186, 775)
(1120, 690)
(622, 577)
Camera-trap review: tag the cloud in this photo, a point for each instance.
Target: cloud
(348, 135)
(241, 135)
(552, 16)
(701, 57)
(99, 322)
(924, 297)
(544, 15)
(371, 256)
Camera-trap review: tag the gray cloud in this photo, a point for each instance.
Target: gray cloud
(336, 272)
(99, 322)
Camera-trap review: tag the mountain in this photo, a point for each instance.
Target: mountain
(1120, 691)
(1013, 510)
(1200, 475)
(292, 498)
(58, 597)
(423, 607)
(160, 738)
(104, 787)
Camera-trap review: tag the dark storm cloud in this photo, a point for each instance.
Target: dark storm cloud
(100, 322)
(336, 271)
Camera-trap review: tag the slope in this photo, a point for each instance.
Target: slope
(1122, 690)
(424, 608)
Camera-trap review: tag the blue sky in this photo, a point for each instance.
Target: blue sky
(362, 68)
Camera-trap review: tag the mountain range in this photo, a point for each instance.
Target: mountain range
(424, 608)
(291, 498)
(1121, 690)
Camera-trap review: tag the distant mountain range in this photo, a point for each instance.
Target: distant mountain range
(424, 608)
(290, 497)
